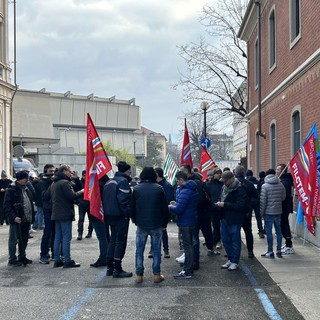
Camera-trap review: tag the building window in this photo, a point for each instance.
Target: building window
(296, 132)
(272, 40)
(295, 21)
(256, 64)
(273, 145)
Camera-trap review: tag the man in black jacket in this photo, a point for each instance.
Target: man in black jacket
(18, 207)
(115, 201)
(63, 198)
(149, 211)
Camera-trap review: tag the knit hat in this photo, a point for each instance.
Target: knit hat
(3, 174)
(148, 173)
(22, 175)
(123, 166)
(226, 176)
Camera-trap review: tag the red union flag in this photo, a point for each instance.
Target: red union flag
(97, 166)
(206, 163)
(186, 150)
(303, 167)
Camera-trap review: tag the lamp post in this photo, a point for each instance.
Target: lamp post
(134, 157)
(204, 106)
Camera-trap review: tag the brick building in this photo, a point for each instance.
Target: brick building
(290, 78)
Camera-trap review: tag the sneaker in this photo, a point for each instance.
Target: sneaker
(181, 259)
(139, 278)
(30, 236)
(250, 255)
(268, 255)
(233, 267)
(279, 254)
(122, 274)
(98, 264)
(213, 253)
(58, 263)
(14, 263)
(219, 245)
(261, 235)
(25, 261)
(182, 275)
(166, 254)
(226, 265)
(44, 260)
(71, 264)
(79, 237)
(287, 250)
(157, 278)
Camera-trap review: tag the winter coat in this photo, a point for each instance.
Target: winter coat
(63, 197)
(186, 205)
(148, 206)
(116, 197)
(213, 189)
(168, 190)
(40, 187)
(287, 203)
(85, 204)
(271, 196)
(251, 190)
(235, 203)
(13, 202)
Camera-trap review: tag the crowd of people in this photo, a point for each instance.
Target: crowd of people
(218, 207)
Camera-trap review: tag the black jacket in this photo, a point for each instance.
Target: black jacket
(148, 206)
(13, 202)
(287, 204)
(40, 187)
(63, 197)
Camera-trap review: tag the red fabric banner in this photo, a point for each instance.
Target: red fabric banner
(97, 166)
(303, 167)
(186, 150)
(206, 163)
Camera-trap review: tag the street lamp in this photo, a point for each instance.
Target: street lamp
(204, 106)
(134, 156)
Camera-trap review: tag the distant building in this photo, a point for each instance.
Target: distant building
(6, 91)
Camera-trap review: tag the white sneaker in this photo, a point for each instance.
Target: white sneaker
(181, 259)
(226, 265)
(287, 250)
(33, 231)
(233, 266)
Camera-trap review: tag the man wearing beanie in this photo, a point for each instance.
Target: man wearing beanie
(150, 214)
(116, 199)
(18, 207)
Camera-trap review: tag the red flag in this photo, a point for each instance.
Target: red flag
(97, 166)
(303, 167)
(186, 151)
(206, 163)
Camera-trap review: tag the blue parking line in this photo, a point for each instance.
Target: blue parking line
(70, 314)
(263, 297)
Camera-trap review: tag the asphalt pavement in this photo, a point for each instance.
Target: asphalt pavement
(261, 289)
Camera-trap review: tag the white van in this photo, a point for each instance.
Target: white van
(20, 164)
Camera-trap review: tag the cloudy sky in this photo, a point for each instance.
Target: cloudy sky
(125, 48)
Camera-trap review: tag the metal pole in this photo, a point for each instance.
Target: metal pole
(205, 123)
(134, 158)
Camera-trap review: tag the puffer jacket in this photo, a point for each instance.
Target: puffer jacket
(148, 206)
(271, 196)
(186, 205)
(63, 197)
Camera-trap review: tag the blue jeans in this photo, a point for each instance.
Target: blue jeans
(187, 238)
(231, 238)
(38, 219)
(141, 239)
(101, 233)
(269, 220)
(63, 236)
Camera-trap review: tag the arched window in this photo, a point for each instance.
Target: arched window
(273, 143)
(296, 132)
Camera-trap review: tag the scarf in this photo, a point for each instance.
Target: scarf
(228, 189)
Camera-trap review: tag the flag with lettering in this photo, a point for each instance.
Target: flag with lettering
(303, 167)
(186, 150)
(97, 166)
(206, 163)
(170, 169)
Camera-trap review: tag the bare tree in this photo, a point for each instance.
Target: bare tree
(216, 69)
